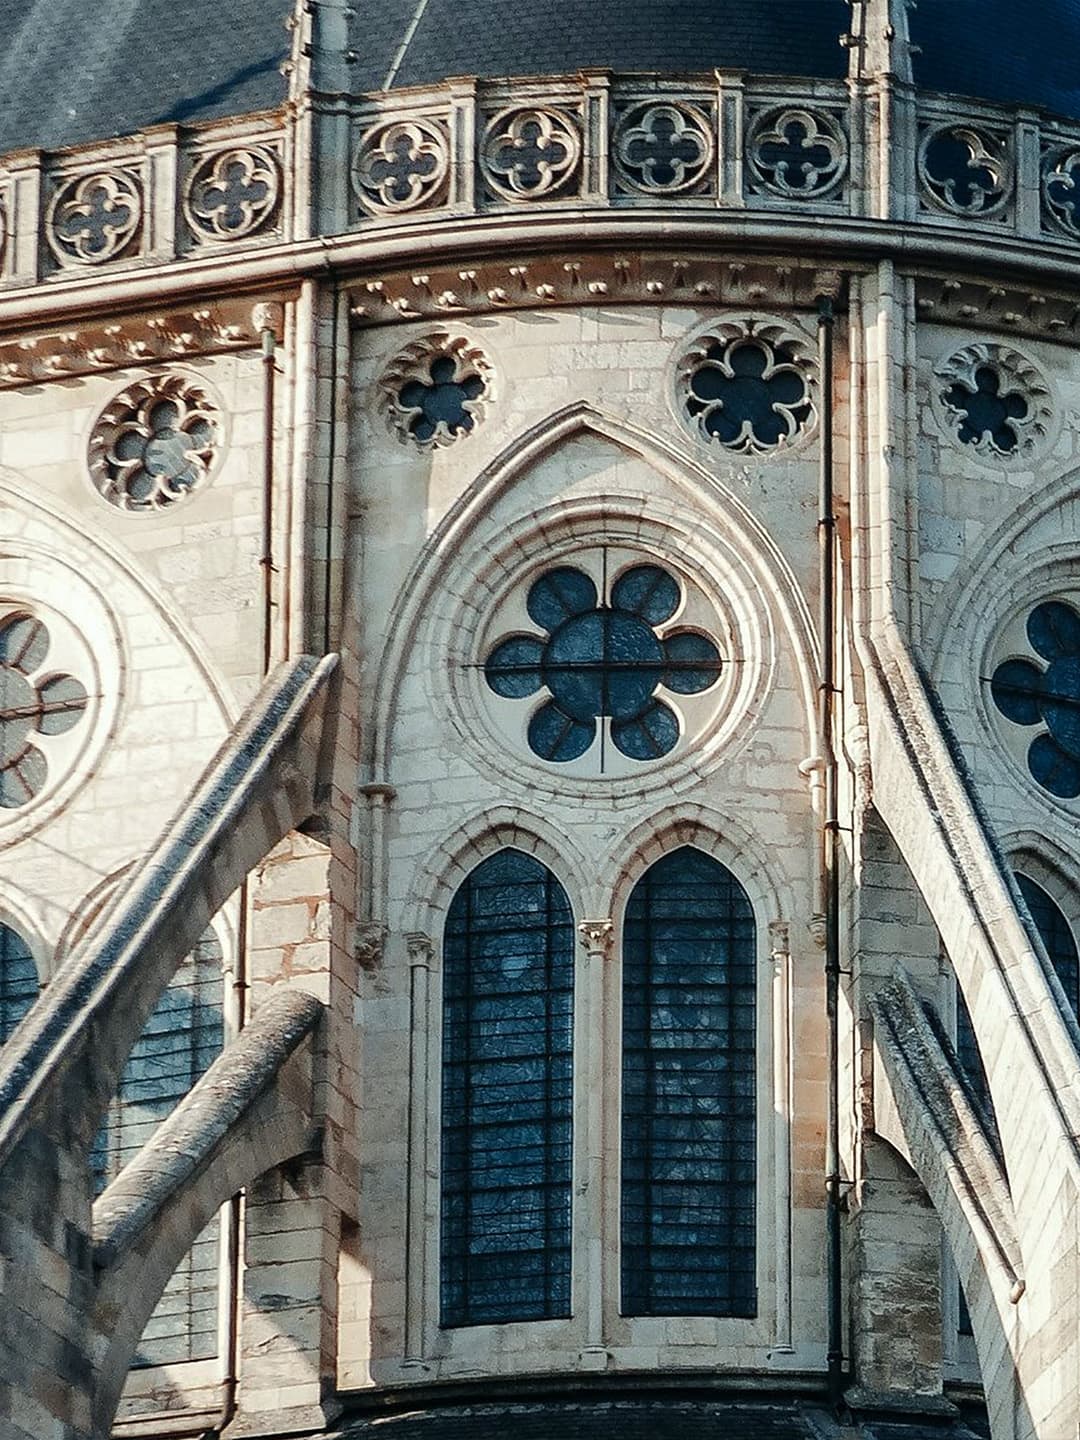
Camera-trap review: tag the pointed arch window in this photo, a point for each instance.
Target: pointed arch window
(507, 1095)
(19, 983)
(183, 1036)
(688, 1106)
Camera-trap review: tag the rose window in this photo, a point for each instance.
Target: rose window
(435, 390)
(155, 444)
(603, 667)
(1048, 696)
(36, 703)
(748, 389)
(987, 409)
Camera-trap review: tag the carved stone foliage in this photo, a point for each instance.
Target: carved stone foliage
(663, 148)
(531, 154)
(155, 444)
(233, 192)
(435, 391)
(965, 170)
(1061, 191)
(402, 165)
(114, 342)
(994, 400)
(37, 701)
(796, 153)
(94, 218)
(748, 385)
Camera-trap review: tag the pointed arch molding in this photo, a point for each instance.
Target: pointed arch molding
(503, 827)
(459, 559)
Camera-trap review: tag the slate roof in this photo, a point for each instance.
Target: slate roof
(79, 70)
(507, 37)
(1002, 50)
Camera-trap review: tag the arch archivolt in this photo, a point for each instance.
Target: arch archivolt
(483, 834)
(474, 554)
(1052, 866)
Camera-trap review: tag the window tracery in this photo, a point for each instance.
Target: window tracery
(36, 702)
(19, 982)
(507, 1096)
(155, 444)
(183, 1036)
(603, 660)
(748, 386)
(436, 389)
(994, 400)
(1029, 695)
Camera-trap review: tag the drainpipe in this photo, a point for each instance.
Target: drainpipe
(265, 317)
(266, 557)
(830, 871)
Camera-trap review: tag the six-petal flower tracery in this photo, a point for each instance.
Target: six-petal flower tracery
(35, 703)
(603, 661)
(748, 387)
(1029, 694)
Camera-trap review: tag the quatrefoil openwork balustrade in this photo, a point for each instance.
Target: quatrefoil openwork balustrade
(966, 170)
(604, 663)
(1041, 691)
(796, 153)
(748, 385)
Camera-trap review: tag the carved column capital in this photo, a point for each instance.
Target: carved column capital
(596, 936)
(421, 949)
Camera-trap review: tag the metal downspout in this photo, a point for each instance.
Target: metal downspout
(830, 872)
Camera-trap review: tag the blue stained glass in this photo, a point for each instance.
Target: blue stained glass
(1054, 629)
(1015, 691)
(19, 982)
(507, 1096)
(747, 388)
(648, 591)
(513, 668)
(1057, 937)
(1027, 695)
(443, 401)
(603, 660)
(693, 663)
(689, 1146)
(180, 1041)
(986, 411)
(560, 594)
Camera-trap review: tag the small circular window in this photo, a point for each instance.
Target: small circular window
(612, 662)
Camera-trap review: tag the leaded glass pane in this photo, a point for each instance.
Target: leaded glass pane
(1056, 936)
(688, 1120)
(507, 1096)
(183, 1036)
(18, 980)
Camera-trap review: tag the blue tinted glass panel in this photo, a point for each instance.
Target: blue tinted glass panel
(18, 980)
(507, 1096)
(688, 1123)
(183, 1036)
(1056, 936)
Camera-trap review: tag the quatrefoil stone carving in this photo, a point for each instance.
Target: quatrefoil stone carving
(663, 149)
(94, 218)
(531, 154)
(232, 193)
(402, 166)
(966, 170)
(796, 153)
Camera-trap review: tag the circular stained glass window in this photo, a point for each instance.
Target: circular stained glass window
(606, 664)
(1041, 694)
